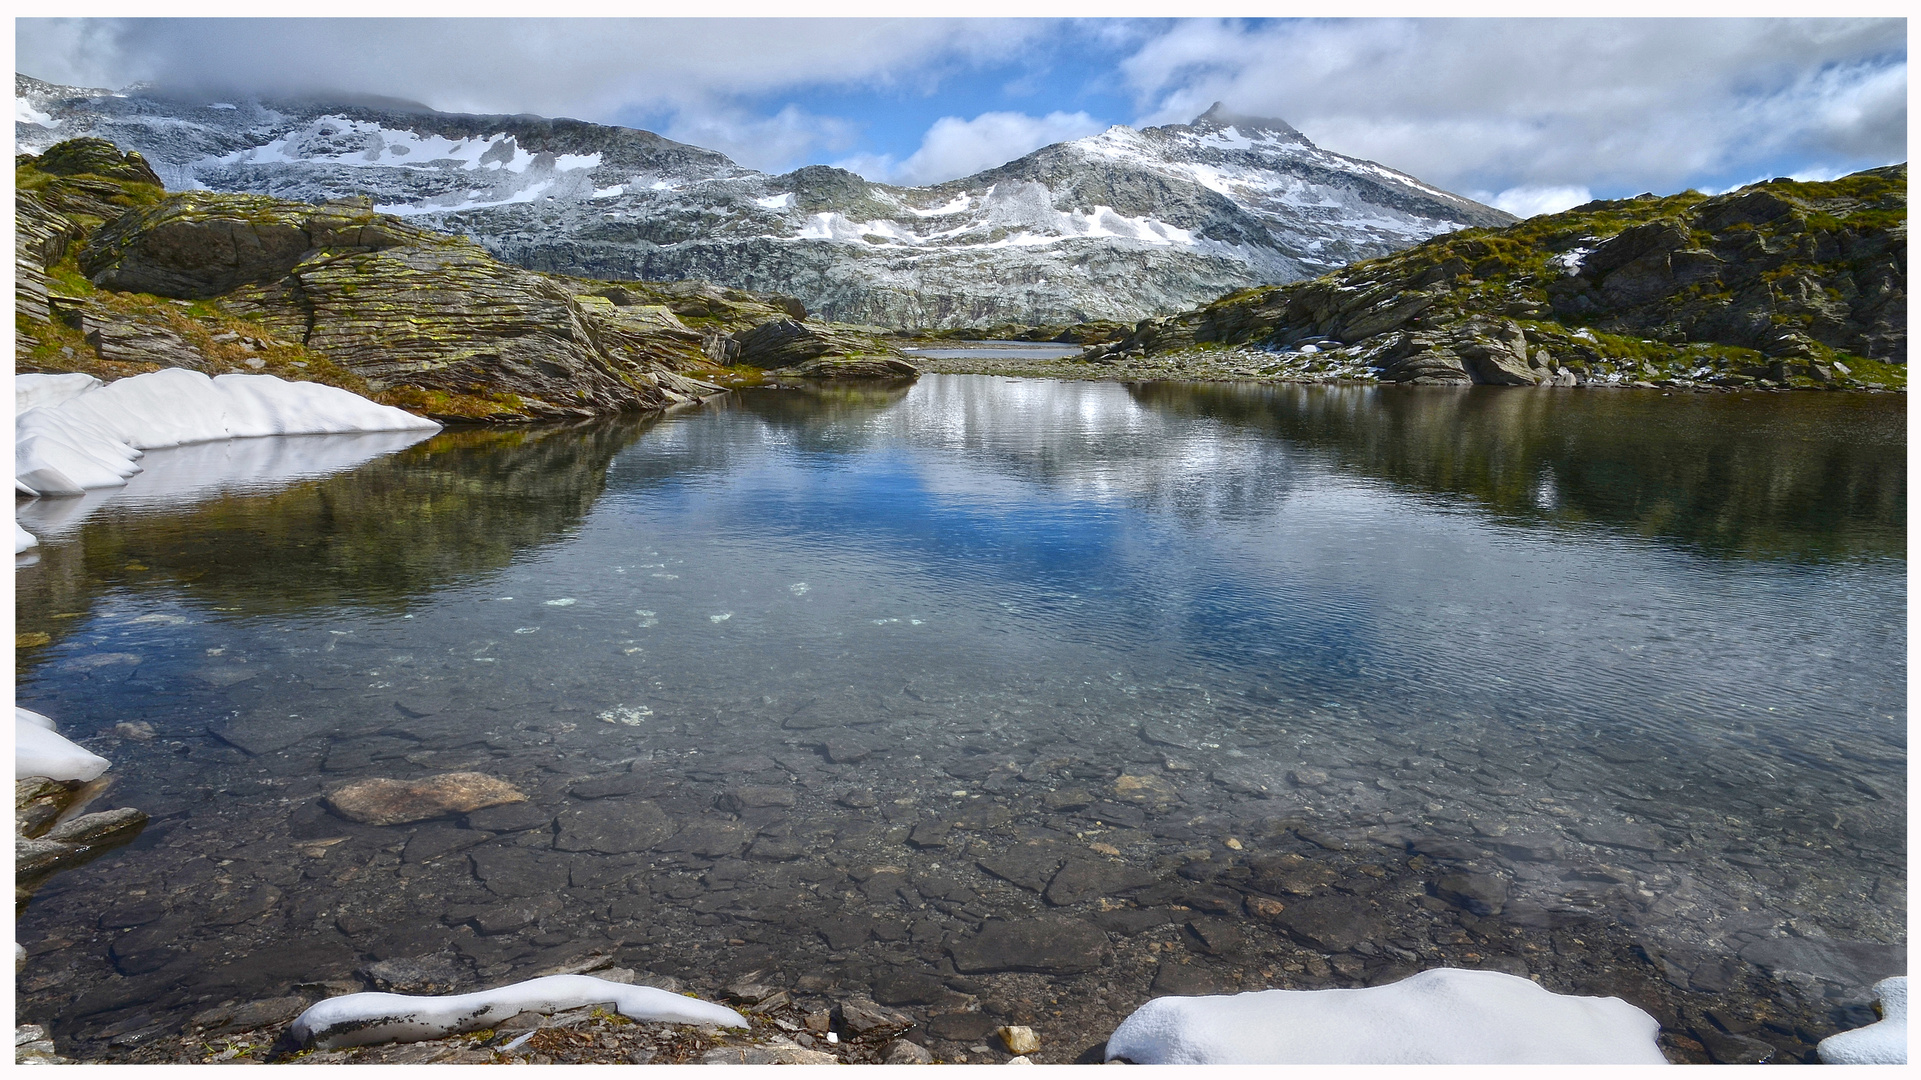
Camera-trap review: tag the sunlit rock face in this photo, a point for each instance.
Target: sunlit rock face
(1120, 225)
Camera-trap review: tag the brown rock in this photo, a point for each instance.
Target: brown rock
(381, 801)
(1019, 1040)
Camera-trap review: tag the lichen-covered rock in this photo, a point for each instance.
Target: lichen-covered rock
(380, 801)
(98, 157)
(794, 347)
(1786, 283)
(855, 367)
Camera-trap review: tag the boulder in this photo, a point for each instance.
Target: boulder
(779, 344)
(381, 801)
(1495, 353)
(96, 157)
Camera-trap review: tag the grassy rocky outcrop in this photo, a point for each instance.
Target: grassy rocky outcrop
(115, 277)
(1779, 284)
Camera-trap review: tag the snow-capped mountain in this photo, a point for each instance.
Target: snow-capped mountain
(1119, 225)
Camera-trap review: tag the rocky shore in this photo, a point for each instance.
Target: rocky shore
(118, 277)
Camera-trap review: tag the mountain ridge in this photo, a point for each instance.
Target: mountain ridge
(1117, 226)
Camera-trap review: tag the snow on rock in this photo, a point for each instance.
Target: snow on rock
(71, 435)
(1884, 1042)
(1441, 1016)
(39, 750)
(362, 1019)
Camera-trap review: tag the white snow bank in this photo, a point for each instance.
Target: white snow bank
(361, 1019)
(179, 477)
(1438, 1017)
(74, 437)
(33, 391)
(1884, 1042)
(38, 750)
(22, 539)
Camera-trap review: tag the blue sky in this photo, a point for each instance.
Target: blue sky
(1531, 115)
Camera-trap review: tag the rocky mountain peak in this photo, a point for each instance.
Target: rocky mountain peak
(1219, 118)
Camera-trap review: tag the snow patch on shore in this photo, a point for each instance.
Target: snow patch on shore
(364, 1019)
(39, 750)
(70, 436)
(1884, 1042)
(1438, 1017)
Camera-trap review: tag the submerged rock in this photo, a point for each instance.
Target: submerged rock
(1047, 945)
(380, 801)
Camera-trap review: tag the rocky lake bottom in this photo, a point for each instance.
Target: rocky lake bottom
(911, 713)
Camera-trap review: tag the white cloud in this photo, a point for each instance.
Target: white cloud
(774, 143)
(590, 69)
(1527, 202)
(1495, 104)
(953, 148)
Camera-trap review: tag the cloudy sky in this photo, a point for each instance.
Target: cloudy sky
(1531, 115)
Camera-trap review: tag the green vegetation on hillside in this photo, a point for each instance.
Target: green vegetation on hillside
(1786, 283)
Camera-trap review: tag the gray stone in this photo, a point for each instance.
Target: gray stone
(1186, 980)
(1728, 1049)
(845, 932)
(267, 1012)
(1085, 879)
(1482, 894)
(903, 1052)
(748, 796)
(434, 974)
(432, 841)
(1067, 799)
(864, 1018)
(515, 872)
(964, 1027)
(1045, 944)
(1130, 921)
(614, 826)
(1331, 923)
(1031, 866)
(908, 988)
(710, 839)
(504, 918)
(1847, 963)
(512, 817)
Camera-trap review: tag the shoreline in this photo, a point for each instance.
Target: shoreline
(1239, 365)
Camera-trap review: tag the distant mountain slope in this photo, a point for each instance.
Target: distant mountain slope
(1785, 283)
(1116, 226)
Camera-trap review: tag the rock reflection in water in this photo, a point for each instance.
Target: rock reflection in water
(1220, 702)
(1806, 476)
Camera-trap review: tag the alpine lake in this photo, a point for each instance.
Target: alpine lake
(1003, 701)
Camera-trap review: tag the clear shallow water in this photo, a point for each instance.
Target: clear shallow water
(1640, 659)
